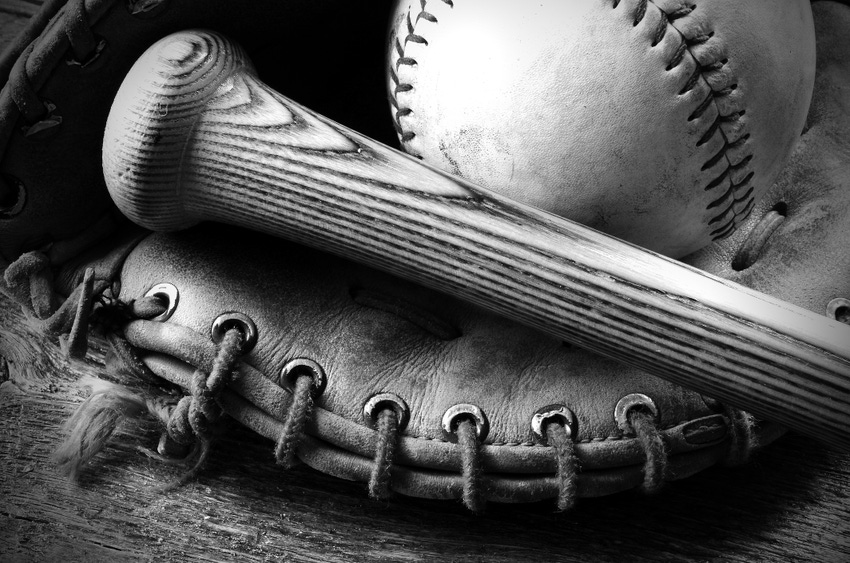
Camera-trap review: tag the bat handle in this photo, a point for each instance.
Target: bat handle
(194, 136)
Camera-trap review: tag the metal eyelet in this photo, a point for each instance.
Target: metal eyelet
(226, 321)
(14, 196)
(633, 401)
(380, 401)
(456, 413)
(554, 414)
(170, 295)
(146, 8)
(839, 309)
(303, 366)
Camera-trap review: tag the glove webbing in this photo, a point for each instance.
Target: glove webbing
(30, 283)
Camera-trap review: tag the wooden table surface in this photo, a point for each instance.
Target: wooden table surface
(790, 504)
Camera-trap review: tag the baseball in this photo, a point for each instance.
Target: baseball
(659, 122)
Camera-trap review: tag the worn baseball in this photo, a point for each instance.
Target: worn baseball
(659, 122)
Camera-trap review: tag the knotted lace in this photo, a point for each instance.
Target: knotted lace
(192, 420)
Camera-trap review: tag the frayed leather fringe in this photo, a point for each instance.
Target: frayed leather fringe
(91, 426)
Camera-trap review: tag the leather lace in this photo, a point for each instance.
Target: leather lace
(470, 455)
(386, 438)
(39, 114)
(296, 419)
(651, 441)
(559, 439)
(191, 421)
(29, 281)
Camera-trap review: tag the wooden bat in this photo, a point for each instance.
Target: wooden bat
(194, 136)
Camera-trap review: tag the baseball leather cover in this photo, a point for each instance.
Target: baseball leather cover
(659, 122)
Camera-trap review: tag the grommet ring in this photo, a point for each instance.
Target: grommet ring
(241, 322)
(554, 413)
(839, 309)
(168, 293)
(456, 413)
(303, 366)
(629, 402)
(379, 401)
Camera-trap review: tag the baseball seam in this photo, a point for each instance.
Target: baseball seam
(735, 201)
(412, 36)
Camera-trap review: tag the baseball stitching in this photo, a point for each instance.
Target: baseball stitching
(733, 188)
(406, 135)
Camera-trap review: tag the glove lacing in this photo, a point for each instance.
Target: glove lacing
(470, 456)
(296, 418)
(40, 114)
(29, 280)
(642, 422)
(386, 439)
(191, 421)
(558, 437)
(188, 423)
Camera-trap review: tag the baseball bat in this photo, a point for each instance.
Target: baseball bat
(193, 135)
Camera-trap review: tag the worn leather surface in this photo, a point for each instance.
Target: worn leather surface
(373, 333)
(422, 467)
(575, 108)
(63, 199)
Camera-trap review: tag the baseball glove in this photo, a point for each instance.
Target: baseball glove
(368, 377)
(359, 374)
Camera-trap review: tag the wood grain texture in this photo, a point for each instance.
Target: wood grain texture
(789, 504)
(193, 135)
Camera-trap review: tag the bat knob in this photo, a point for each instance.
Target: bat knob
(150, 126)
